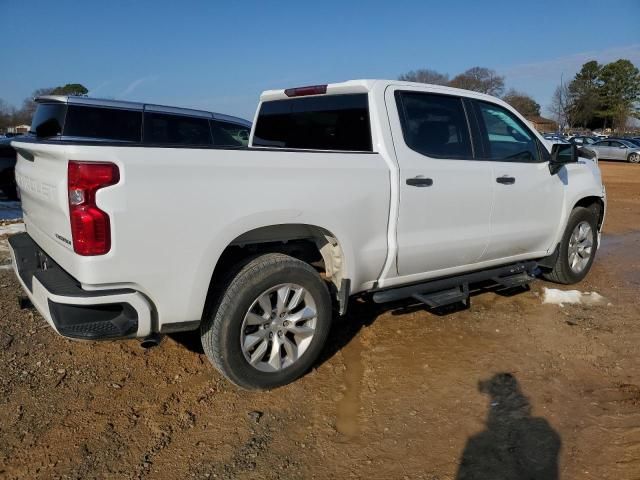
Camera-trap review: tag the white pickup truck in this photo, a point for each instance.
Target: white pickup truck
(394, 189)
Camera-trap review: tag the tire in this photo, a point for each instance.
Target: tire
(231, 322)
(562, 271)
(634, 158)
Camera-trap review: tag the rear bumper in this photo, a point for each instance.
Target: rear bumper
(72, 311)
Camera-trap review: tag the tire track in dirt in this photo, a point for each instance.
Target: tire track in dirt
(348, 407)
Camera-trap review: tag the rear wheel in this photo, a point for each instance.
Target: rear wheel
(269, 324)
(577, 248)
(634, 158)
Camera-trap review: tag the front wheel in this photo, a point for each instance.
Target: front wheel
(577, 248)
(634, 158)
(269, 324)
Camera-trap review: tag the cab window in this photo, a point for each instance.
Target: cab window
(505, 137)
(434, 125)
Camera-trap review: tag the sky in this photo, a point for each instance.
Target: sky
(219, 55)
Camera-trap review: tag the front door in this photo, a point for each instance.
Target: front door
(527, 198)
(445, 195)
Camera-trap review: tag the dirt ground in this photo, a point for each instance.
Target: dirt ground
(507, 385)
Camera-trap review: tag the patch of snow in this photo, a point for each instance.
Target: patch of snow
(560, 297)
(11, 228)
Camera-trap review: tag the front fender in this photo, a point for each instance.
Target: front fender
(581, 180)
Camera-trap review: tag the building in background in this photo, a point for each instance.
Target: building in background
(19, 129)
(543, 124)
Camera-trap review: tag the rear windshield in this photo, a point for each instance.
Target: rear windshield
(103, 123)
(48, 119)
(331, 122)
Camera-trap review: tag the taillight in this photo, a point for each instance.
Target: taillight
(90, 227)
(304, 91)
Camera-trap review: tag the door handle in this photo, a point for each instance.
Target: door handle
(506, 180)
(419, 182)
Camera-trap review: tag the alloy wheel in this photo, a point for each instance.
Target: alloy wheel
(278, 327)
(580, 247)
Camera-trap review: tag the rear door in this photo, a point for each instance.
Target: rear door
(617, 150)
(445, 195)
(603, 149)
(527, 198)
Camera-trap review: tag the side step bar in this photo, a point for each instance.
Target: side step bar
(444, 297)
(444, 291)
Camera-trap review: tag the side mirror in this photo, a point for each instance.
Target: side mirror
(561, 154)
(622, 146)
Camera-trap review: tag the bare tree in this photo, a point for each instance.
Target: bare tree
(6, 114)
(560, 106)
(29, 105)
(425, 76)
(480, 79)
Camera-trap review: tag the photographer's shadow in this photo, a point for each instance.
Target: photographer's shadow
(514, 445)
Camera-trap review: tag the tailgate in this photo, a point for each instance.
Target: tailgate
(41, 175)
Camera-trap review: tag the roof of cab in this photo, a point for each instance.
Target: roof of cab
(366, 85)
(147, 107)
(351, 86)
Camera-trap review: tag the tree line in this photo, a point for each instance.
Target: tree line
(11, 116)
(478, 79)
(599, 96)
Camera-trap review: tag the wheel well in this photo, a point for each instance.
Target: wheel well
(593, 203)
(313, 245)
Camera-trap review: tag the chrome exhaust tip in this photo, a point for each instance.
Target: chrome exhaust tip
(151, 341)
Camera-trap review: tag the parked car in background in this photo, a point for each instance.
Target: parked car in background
(63, 118)
(617, 149)
(104, 120)
(581, 140)
(555, 138)
(7, 167)
(635, 141)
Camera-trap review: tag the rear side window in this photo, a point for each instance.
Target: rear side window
(167, 129)
(328, 122)
(103, 123)
(506, 138)
(48, 119)
(229, 134)
(434, 125)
